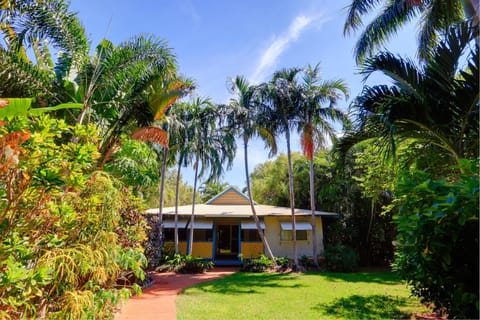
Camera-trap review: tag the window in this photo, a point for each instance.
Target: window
(250, 235)
(169, 234)
(198, 234)
(202, 235)
(286, 235)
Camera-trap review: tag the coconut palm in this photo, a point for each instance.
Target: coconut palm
(211, 147)
(314, 123)
(435, 16)
(280, 101)
(436, 104)
(244, 119)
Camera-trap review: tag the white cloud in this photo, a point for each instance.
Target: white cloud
(279, 44)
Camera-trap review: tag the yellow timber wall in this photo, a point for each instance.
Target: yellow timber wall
(200, 249)
(251, 249)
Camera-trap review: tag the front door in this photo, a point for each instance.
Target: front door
(227, 242)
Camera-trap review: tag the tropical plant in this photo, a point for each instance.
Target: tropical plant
(340, 258)
(338, 190)
(162, 95)
(135, 164)
(315, 123)
(436, 104)
(244, 120)
(68, 232)
(437, 244)
(38, 25)
(259, 264)
(280, 104)
(435, 17)
(188, 264)
(179, 145)
(211, 147)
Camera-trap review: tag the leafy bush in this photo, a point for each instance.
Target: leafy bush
(438, 250)
(67, 232)
(283, 262)
(340, 258)
(306, 261)
(259, 264)
(188, 264)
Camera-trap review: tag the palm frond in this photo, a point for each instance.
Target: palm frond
(357, 9)
(403, 72)
(386, 24)
(151, 134)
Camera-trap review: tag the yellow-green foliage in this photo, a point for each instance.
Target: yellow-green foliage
(67, 232)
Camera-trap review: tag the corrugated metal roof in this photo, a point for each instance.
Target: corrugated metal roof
(238, 211)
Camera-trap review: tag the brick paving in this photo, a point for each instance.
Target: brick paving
(158, 301)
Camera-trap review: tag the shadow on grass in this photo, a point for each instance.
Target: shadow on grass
(365, 307)
(388, 277)
(247, 283)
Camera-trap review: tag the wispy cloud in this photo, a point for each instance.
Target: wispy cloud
(279, 44)
(188, 8)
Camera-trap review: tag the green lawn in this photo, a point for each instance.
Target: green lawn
(378, 295)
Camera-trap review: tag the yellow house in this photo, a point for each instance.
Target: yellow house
(224, 228)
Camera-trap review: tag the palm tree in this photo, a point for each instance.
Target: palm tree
(119, 85)
(162, 95)
(211, 146)
(436, 104)
(314, 123)
(243, 118)
(435, 17)
(181, 137)
(280, 101)
(38, 25)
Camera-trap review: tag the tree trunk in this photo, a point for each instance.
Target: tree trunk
(250, 199)
(292, 198)
(160, 204)
(180, 160)
(314, 220)
(192, 218)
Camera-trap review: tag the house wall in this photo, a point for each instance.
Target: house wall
(251, 249)
(200, 248)
(285, 248)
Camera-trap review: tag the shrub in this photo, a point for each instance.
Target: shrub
(306, 261)
(68, 232)
(259, 264)
(283, 262)
(188, 264)
(340, 258)
(438, 251)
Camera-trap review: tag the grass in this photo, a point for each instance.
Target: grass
(378, 295)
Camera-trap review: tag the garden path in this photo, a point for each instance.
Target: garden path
(158, 301)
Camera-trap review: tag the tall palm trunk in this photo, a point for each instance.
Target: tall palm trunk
(250, 199)
(292, 197)
(314, 220)
(180, 160)
(160, 204)
(192, 218)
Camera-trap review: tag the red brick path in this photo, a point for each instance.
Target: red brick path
(158, 301)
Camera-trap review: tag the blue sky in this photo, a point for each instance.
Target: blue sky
(215, 40)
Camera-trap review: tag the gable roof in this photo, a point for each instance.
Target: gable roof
(229, 196)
